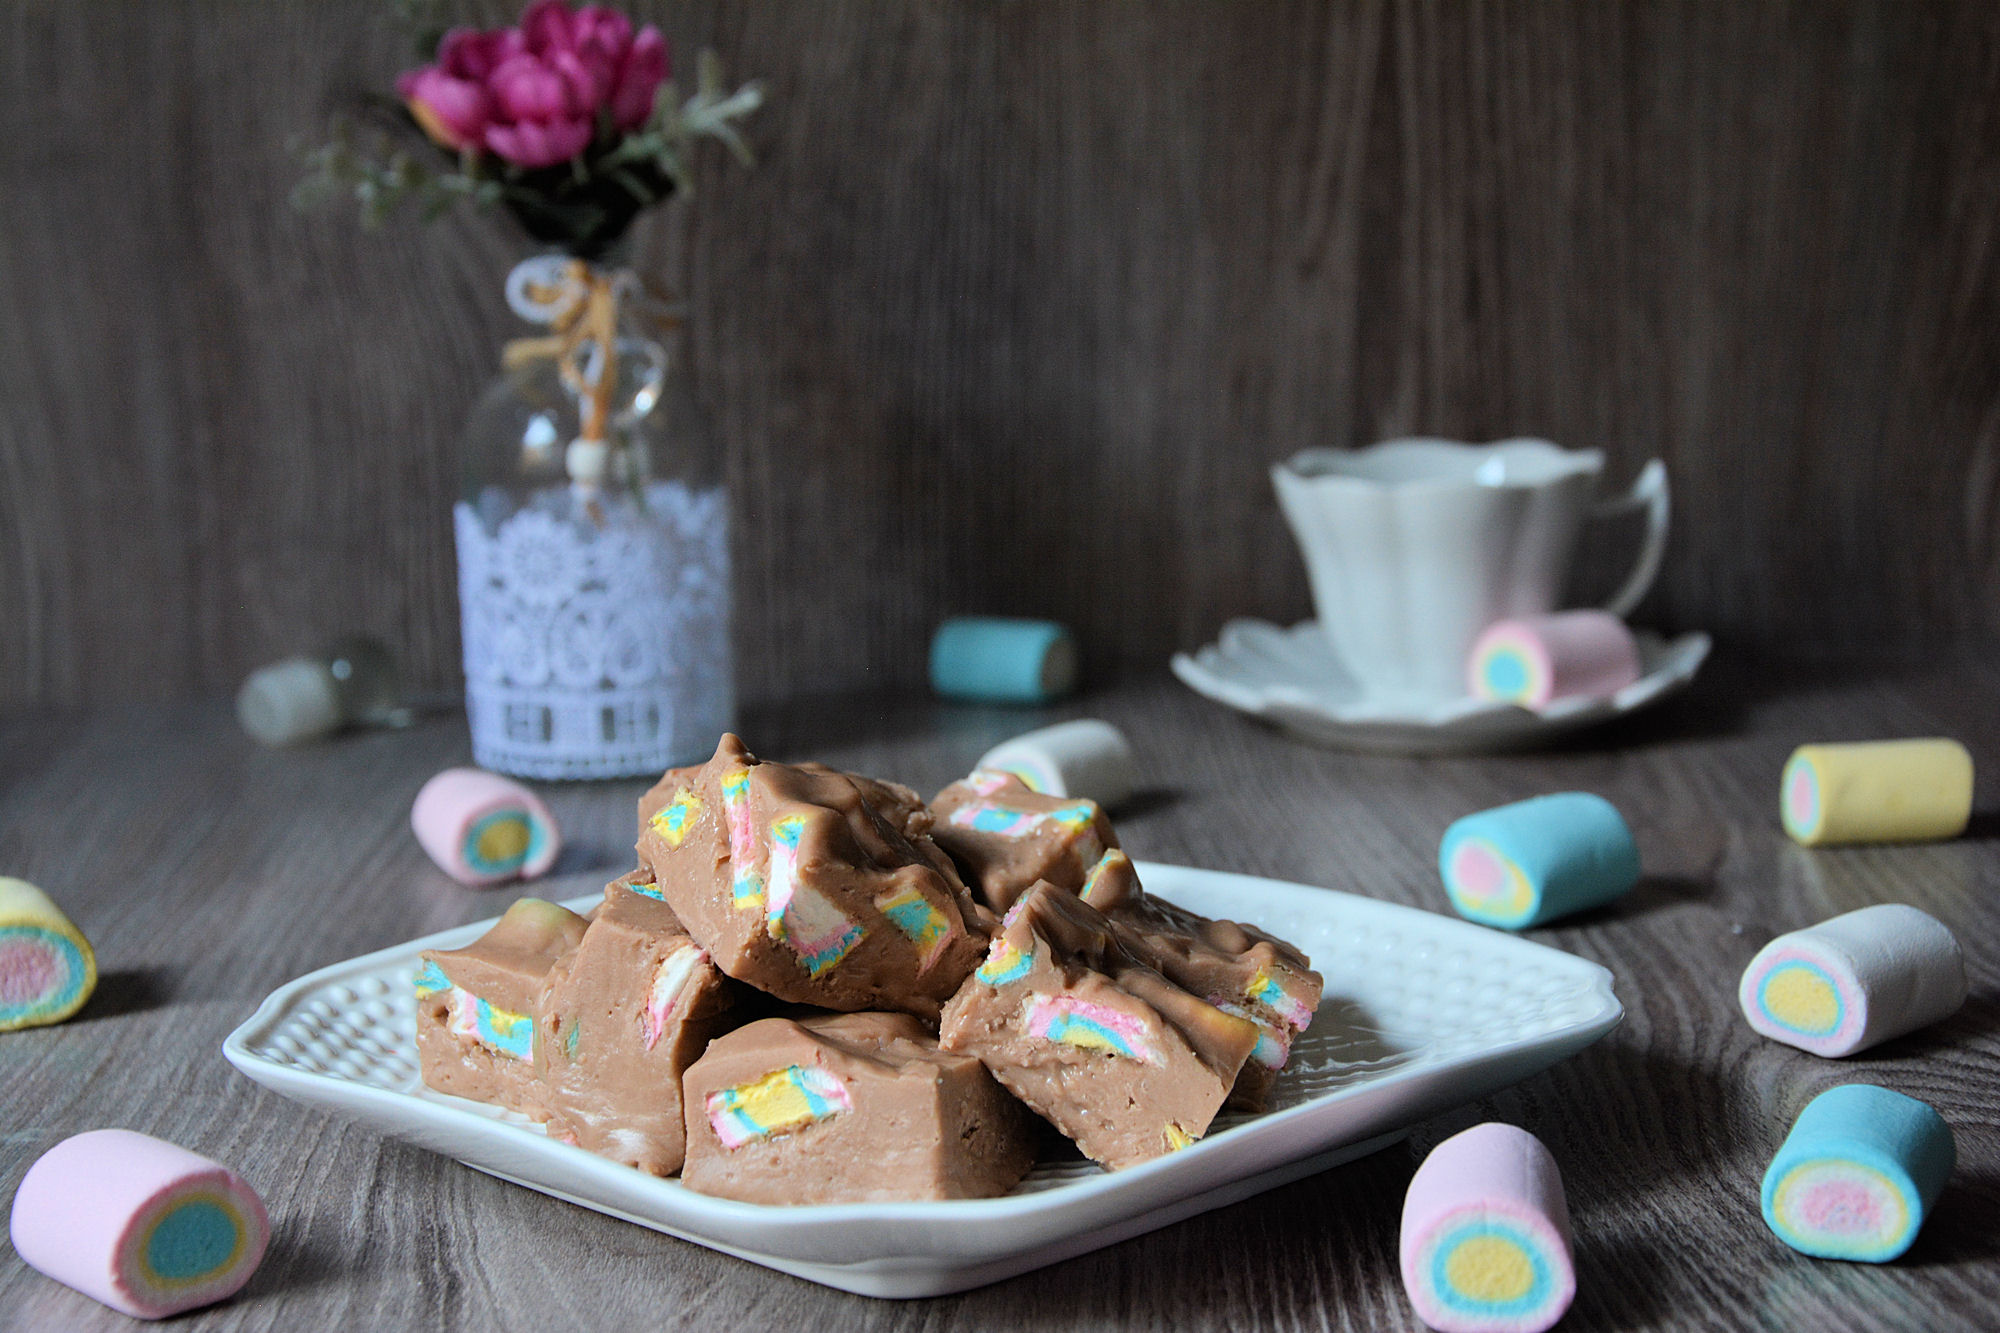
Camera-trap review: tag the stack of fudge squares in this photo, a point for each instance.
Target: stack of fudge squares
(815, 988)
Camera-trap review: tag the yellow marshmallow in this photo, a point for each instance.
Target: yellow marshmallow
(1876, 791)
(47, 969)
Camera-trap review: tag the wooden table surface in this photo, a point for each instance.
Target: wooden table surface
(207, 872)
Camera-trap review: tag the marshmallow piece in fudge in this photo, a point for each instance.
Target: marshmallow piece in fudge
(476, 1006)
(1006, 836)
(1119, 1058)
(621, 1017)
(797, 883)
(636, 883)
(1238, 968)
(846, 1108)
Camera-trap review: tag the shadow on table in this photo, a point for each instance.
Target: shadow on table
(1639, 1132)
(1984, 826)
(1716, 704)
(1323, 1242)
(1963, 1226)
(1653, 893)
(1147, 801)
(298, 1259)
(1978, 1017)
(591, 858)
(1962, 1233)
(1621, 1283)
(1721, 699)
(1698, 714)
(814, 726)
(1643, 1117)
(127, 990)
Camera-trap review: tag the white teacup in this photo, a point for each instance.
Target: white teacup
(1414, 546)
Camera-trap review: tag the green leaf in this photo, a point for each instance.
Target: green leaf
(633, 186)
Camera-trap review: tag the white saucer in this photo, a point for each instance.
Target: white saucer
(1291, 677)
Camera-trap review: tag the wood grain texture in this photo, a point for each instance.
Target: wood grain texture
(1018, 308)
(207, 872)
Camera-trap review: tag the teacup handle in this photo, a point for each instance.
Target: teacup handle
(1650, 493)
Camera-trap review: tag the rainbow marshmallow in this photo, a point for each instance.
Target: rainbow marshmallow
(1278, 1015)
(663, 996)
(47, 968)
(1876, 791)
(746, 886)
(147, 1228)
(803, 918)
(1004, 963)
(1857, 1174)
(1091, 1027)
(483, 829)
(783, 1099)
(993, 817)
(1274, 1040)
(673, 820)
(919, 921)
(1485, 1242)
(1520, 865)
(1077, 818)
(1536, 660)
(1265, 991)
(500, 1030)
(1854, 981)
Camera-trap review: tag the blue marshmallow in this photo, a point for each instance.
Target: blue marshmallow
(1520, 865)
(1857, 1174)
(994, 660)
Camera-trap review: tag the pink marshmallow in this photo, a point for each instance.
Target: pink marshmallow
(1485, 1241)
(484, 829)
(1536, 660)
(144, 1226)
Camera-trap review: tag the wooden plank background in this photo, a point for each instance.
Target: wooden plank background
(1016, 311)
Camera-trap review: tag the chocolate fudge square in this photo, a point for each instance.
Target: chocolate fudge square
(620, 1019)
(476, 1006)
(1238, 968)
(849, 1108)
(1127, 1064)
(797, 884)
(1005, 836)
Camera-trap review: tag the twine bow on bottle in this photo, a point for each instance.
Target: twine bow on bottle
(581, 305)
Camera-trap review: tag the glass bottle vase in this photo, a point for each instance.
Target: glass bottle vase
(594, 582)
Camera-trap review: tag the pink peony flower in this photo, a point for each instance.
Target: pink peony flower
(645, 69)
(467, 53)
(534, 94)
(449, 98)
(539, 143)
(453, 112)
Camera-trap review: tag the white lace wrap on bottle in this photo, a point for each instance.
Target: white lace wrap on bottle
(597, 652)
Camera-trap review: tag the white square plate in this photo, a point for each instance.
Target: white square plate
(1422, 1012)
